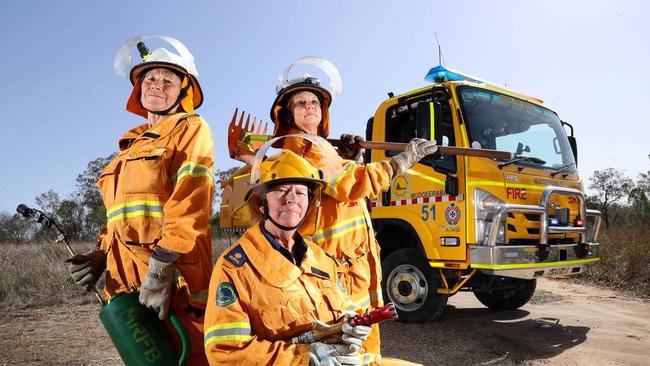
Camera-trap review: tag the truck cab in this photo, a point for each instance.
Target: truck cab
(462, 223)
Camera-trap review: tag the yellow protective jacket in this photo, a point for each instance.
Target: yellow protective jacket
(259, 299)
(158, 192)
(343, 226)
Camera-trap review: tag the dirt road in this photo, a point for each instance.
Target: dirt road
(574, 325)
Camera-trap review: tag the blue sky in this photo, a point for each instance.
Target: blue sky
(64, 106)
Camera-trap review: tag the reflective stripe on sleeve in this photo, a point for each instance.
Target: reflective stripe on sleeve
(133, 209)
(376, 296)
(354, 223)
(331, 189)
(228, 332)
(192, 169)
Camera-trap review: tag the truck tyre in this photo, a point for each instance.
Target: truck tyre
(411, 284)
(509, 298)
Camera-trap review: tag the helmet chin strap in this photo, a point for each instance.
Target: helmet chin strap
(181, 96)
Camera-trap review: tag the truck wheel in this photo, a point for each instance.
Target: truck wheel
(411, 284)
(512, 294)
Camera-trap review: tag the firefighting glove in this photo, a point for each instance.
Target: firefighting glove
(415, 151)
(85, 269)
(351, 153)
(157, 285)
(355, 335)
(322, 354)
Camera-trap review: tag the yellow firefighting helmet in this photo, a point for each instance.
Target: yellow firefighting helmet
(286, 88)
(181, 63)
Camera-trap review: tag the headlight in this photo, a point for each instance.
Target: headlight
(486, 205)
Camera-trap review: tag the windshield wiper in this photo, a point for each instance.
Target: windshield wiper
(561, 169)
(516, 159)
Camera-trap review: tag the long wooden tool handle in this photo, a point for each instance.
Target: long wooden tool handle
(451, 150)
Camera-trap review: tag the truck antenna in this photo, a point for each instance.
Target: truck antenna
(440, 58)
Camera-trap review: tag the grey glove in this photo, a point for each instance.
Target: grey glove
(355, 335)
(86, 268)
(351, 153)
(157, 285)
(415, 151)
(322, 354)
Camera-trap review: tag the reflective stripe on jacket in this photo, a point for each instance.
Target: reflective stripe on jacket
(158, 192)
(258, 300)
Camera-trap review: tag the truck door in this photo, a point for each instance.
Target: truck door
(429, 194)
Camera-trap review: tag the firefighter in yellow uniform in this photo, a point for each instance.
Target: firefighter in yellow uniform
(272, 285)
(344, 228)
(158, 192)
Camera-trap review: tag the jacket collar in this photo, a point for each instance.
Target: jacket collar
(270, 263)
(163, 128)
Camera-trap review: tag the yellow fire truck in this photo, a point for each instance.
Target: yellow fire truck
(466, 223)
(460, 223)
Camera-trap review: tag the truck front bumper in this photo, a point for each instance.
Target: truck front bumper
(543, 259)
(522, 261)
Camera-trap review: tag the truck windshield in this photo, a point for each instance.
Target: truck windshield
(501, 122)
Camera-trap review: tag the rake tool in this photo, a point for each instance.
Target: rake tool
(243, 141)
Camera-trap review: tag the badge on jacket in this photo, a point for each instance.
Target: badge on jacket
(226, 294)
(237, 256)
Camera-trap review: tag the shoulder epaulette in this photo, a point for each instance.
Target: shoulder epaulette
(236, 256)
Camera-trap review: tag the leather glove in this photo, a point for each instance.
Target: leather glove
(351, 153)
(86, 268)
(415, 151)
(322, 354)
(157, 285)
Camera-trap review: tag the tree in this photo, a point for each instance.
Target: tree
(15, 229)
(639, 198)
(610, 186)
(91, 197)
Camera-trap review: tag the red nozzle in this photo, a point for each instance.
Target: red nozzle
(386, 312)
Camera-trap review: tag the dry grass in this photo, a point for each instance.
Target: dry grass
(35, 275)
(542, 296)
(624, 261)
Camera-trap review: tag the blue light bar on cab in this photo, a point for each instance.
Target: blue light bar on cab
(441, 74)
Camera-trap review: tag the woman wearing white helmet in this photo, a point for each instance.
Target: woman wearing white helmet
(158, 193)
(344, 228)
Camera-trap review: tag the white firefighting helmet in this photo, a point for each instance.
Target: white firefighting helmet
(287, 87)
(181, 62)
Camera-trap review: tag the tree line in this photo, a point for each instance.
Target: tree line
(623, 201)
(82, 214)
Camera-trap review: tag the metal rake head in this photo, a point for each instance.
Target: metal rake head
(245, 138)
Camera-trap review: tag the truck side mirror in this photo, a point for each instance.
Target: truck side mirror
(574, 148)
(572, 140)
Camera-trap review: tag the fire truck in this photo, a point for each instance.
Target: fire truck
(461, 223)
